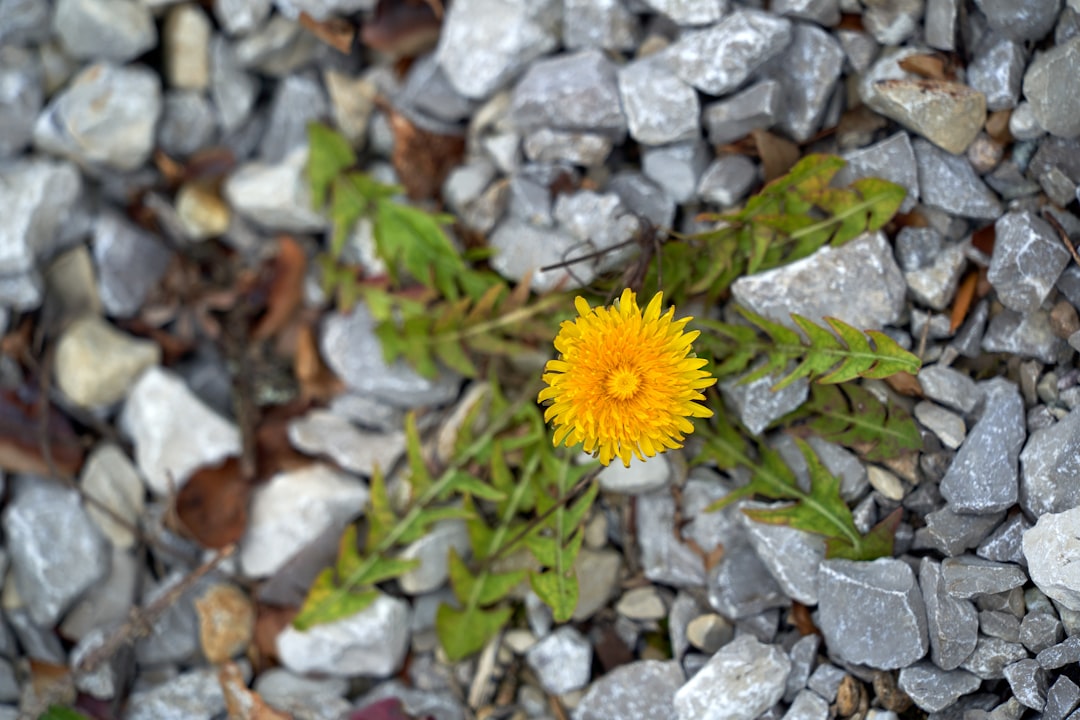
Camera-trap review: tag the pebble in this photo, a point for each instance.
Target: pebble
(173, 431)
(240, 17)
(741, 681)
(110, 478)
(948, 114)
(641, 689)
(948, 426)
(186, 45)
(276, 196)
(807, 706)
(1000, 624)
(188, 123)
(891, 159)
(808, 70)
(719, 58)
(1005, 543)
(371, 643)
(193, 694)
(21, 97)
(826, 284)
(940, 23)
(660, 108)
(598, 580)
(647, 197)
(606, 24)
(570, 92)
(825, 13)
(997, 71)
(757, 405)
(602, 220)
(642, 603)
(991, 656)
(1061, 699)
(427, 91)
(564, 146)
(948, 182)
(968, 577)
(709, 632)
(935, 285)
(298, 101)
(96, 364)
(562, 661)
(791, 555)
(1028, 682)
(1048, 464)
(825, 681)
(107, 603)
(226, 617)
(677, 167)
(740, 585)
(303, 697)
(892, 22)
(104, 117)
(1048, 547)
(293, 509)
(1028, 258)
(1029, 21)
(983, 477)
(1027, 335)
(640, 477)
(690, 12)
(415, 702)
(323, 432)
(233, 90)
(118, 30)
(934, 689)
(1050, 87)
(1040, 630)
(728, 180)
(755, 108)
(486, 43)
(664, 557)
(872, 613)
(842, 463)
(803, 656)
(952, 623)
(174, 637)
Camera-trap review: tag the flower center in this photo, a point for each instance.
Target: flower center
(623, 383)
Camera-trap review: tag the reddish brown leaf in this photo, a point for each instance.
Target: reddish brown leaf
(927, 66)
(22, 444)
(212, 505)
(905, 384)
(242, 703)
(962, 303)
(387, 709)
(269, 622)
(997, 126)
(274, 452)
(983, 239)
(777, 154)
(317, 381)
(338, 33)
(286, 288)
(402, 28)
(802, 620)
(423, 158)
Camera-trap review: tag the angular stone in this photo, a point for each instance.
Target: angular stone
(947, 181)
(1064, 653)
(807, 70)
(1040, 630)
(935, 285)
(934, 689)
(174, 433)
(186, 47)
(792, 556)
(21, 95)
(860, 48)
(642, 689)
(823, 12)
(690, 12)
(827, 283)
(607, 24)
(740, 585)
(983, 478)
(485, 43)
(646, 197)
(803, 655)
(298, 101)
(322, 432)
(603, 220)
(892, 22)
(1062, 699)
(991, 656)
(432, 551)
(660, 108)
(371, 642)
(188, 123)
(842, 463)
(577, 91)
(1028, 258)
(239, 17)
(117, 30)
(757, 405)
(741, 681)
(111, 479)
(968, 577)
(1027, 680)
(807, 706)
(755, 108)
(728, 180)
(24, 21)
(1048, 549)
(428, 92)
(947, 426)
(194, 694)
(587, 149)
(1049, 464)
(952, 623)
(562, 661)
(292, 510)
(96, 364)
(872, 613)
(597, 573)
(1006, 543)
(940, 23)
(664, 558)
(826, 680)
(677, 167)
(951, 533)
(1000, 624)
(891, 159)
(950, 387)
(1029, 335)
(1027, 21)
(275, 196)
(1052, 86)
(233, 90)
(998, 71)
(57, 553)
(718, 59)
(640, 477)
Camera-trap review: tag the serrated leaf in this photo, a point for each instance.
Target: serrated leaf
(558, 590)
(381, 569)
(453, 355)
(485, 589)
(327, 602)
(465, 484)
(463, 633)
(380, 514)
(329, 154)
(419, 476)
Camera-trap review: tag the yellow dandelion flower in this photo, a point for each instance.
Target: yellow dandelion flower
(625, 382)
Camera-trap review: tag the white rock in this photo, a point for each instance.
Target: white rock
(186, 45)
(371, 643)
(111, 479)
(643, 603)
(173, 431)
(640, 477)
(562, 661)
(276, 197)
(322, 432)
(96, 363)
(1051, 551)
(741, 681)
(432, 551)
(292, 510)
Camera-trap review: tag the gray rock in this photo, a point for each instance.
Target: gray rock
(298, 101)
(522, 249)
(916, 248)
(997, 71)
(598, 580)
(756, 107)
(1028, 21)
(311, 698)
(587, 149)
(485, 43)
(807, 706)
(991, 656)
(174, 433)
(891, 159)
(278, 48)
(739, 682)
(757, 405)
(1048, 549)
(952, 623)
(860, 48)
(940, 23)
(56, 551)
(562, 661)
(892, 22)
(719, 58)
(174, 636)
(1049, 464)
(1005, 543)
(578, 91)
(677, 167)
(1051, 86)
(602, 220)
(872, 613)
(185, 47)
(1000, 624)
(108, 603)
(803, 656)
(934, 689)
(642, 689)
(21, 95)
(1062, 699)
(664, 557)
(983, 478)
(1040, 630)
(292, 510)
(432, 550)
(24, 21)
(644, 197)
(275, 196)
(640, 477)
(1056, 166)
(690, 12)
(660, 108)
(239, 17)
(233, 90)
(947, 426)
(437, 705)
(606, 24)
(322, 432)
(792, 556)
(823, 12)
(950, 387)
(188, 123)
(129, 263)
(194, 694)
(1065, 652)
(105, 681)
(1027, 680)
(808, 70)
(825, 284)
(935, 285)
(728, 180)
(740, 585)
(1028, 258)
(947, 181)
(1030, 335)
(105, 116)
(825, 681)
(427, 91)
(117, 30)
(371, 642)
(968, 577)
(842, 463)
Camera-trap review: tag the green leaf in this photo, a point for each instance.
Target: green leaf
(462, 633)
(329, 154)
(558, 590)
(327, 602)
(465, 484)
(57, 712)
(481, 590)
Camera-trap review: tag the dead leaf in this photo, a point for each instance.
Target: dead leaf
(965, 293)
(338, 33)
(997, 126)
(212, 505)
(274, 452)
(403, 28)
(317, 381)
(803, 621)
(423, 158)
(931, 67)
(905, 384)
(242, 703)
(983, 239)
(269, 622)
(22, 446)
(777, 154)
(286, 288)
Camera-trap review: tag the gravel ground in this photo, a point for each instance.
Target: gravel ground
(137, 132)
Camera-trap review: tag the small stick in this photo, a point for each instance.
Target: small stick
(1064, 236)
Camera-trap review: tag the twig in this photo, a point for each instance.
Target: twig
(1064, 236)
(588, 256)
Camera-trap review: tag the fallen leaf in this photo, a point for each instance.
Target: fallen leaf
(997, 126)
(317, 381)
(22, 445)
(931, 67)
(803, 621)
(423, 158)
(242, 703)
(905, 384)
(212, 504)
(983, 239)
(403, 28)
(286, 288)
(777, 154)
(965, 293)
(274, 452)
(387, 709)
(269, 622)
(338, 33)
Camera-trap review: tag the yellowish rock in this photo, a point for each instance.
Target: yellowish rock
(226, 622)
(96, 363)
(202, 212)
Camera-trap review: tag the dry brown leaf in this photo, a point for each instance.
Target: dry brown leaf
(286, 288)
(270, 620)
(317, 381)
(423, 158)
(338, 33)
(242, 703)
(905, 384)
(403, 28)
(777, 154)
(932, 67)
(983, 239)
(997, 126)
(803, 621)
(274, 452)
(212, 504)
(22, 445)
(965, 294)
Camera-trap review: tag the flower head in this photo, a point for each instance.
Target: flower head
(625, 382)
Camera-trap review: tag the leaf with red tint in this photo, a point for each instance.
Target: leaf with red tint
(983, 239)
(402, 28)
(269, 622)
(22, 446)
(212, 505)
(388, 709)
(423, 158)
(286, 288)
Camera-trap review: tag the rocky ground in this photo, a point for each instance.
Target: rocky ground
(147, 144)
